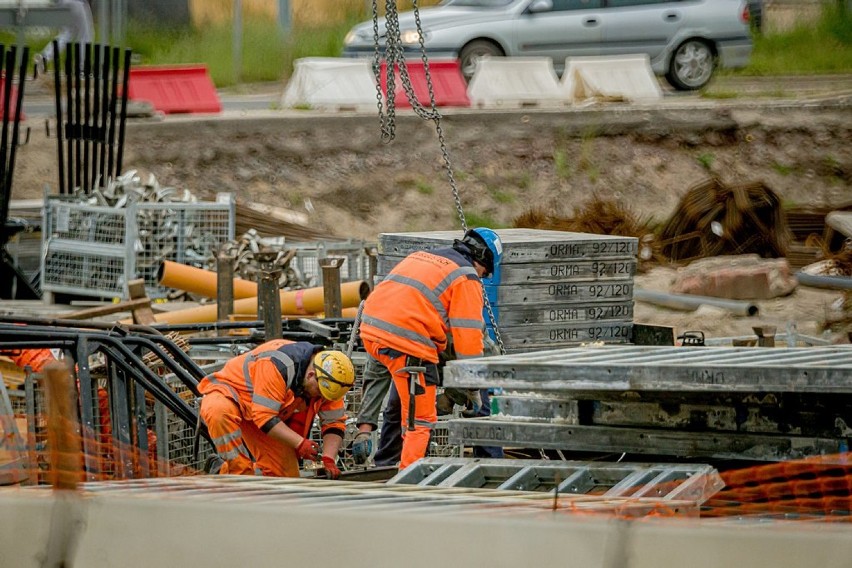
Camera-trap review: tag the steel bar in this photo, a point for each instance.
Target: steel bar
(269, 298)
(660, 369)
(5, 191)
(691, 302)
(69, 130)
(120, 421)
(824, 282)
(332, 300)
(719, 445)
(94, 136)
(78, 120)
(121, 125)
(224, 285)
(85, 131)
(113, 104)
(60, 126)
(88, 398)
(16, 123)
(106, 110)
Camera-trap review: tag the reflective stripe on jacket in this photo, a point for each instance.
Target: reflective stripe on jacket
(425, 297)
(266, 383)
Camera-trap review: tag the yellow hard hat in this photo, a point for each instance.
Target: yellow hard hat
(335, 374)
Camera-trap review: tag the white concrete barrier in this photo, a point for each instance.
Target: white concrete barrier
(627, 78)
(512, 82)
(331, 83)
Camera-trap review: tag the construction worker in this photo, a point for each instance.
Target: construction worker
(407, 319)
(260, 407)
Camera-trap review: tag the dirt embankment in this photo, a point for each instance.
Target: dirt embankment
(335, 168)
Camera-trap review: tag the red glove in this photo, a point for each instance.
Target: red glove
(331, 469)
(308, 449)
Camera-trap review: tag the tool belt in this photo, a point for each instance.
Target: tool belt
(432, 374)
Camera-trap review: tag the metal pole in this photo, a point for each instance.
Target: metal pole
(332, 302)
(224, 286)
(285, 20)
(690, 302)
(269, 299)
(238, 40)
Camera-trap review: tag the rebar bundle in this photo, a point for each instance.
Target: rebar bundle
(715, 219)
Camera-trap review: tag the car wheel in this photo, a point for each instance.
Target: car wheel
(691, 66)
(471, 53)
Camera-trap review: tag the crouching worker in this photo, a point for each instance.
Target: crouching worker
(260, 407)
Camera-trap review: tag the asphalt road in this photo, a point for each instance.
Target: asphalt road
(39, 101)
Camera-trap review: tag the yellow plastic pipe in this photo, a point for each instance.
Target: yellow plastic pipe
(200, 281)
(293, 303)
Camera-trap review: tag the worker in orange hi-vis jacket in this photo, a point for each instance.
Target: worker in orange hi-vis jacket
(260, 407)
(408, 318)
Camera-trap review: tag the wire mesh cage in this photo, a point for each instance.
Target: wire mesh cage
(305, 263)
(95, 251)
(175, 438)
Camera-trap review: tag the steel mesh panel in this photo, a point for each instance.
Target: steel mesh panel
(180, 436)
(77, 222)
(86, 271)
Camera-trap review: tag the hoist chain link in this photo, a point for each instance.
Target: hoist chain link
(395, 62)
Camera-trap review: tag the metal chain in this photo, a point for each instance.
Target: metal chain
(395, 60)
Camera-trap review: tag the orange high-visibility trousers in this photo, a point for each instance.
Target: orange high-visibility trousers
(229, 430)
(415, 443)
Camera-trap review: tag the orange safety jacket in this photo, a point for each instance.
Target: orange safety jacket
(266, 384)
(424, 298)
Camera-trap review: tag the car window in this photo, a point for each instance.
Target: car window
(478, 3)
(566, 5)
(622, 3)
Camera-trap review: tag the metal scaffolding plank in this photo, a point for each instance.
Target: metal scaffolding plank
(698, 482)
(535, 407)
(723, 445)
(825, 369)
(521, 245)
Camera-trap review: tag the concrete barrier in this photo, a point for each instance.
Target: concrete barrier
(515, 82)
(331, 83)
(627, 78)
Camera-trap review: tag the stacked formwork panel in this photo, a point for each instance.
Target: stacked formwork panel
(743, 403)
(552, 288)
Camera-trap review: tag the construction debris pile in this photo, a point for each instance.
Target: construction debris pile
(714, 219)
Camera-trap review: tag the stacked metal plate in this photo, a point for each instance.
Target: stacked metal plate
(751, 403)
(552, 288)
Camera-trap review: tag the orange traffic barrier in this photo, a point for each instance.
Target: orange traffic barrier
(200, 281)
(174, 88)
(293, 302)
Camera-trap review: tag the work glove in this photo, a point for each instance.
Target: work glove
(308, 450)
(362, 447)
(470, 399)
(331, 469)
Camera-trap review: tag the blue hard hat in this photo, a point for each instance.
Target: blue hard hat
(486, 246)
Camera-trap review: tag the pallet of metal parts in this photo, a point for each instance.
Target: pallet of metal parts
(94, 250)
(677, 482)
(550, 272)
(553, 336)
(521, 245)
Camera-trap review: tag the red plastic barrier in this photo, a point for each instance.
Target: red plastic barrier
(447, 82)
(174, 89)
(12, 103)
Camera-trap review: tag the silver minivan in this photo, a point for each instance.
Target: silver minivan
(685, 39)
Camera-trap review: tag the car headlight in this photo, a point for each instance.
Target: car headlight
(350, 37)
(411, 37)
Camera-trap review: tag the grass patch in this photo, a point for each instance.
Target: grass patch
(706, 161)
(560, 164)
(783, 169)
(501, 196)
(481, 220)
(821, 47)
(424, 188)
